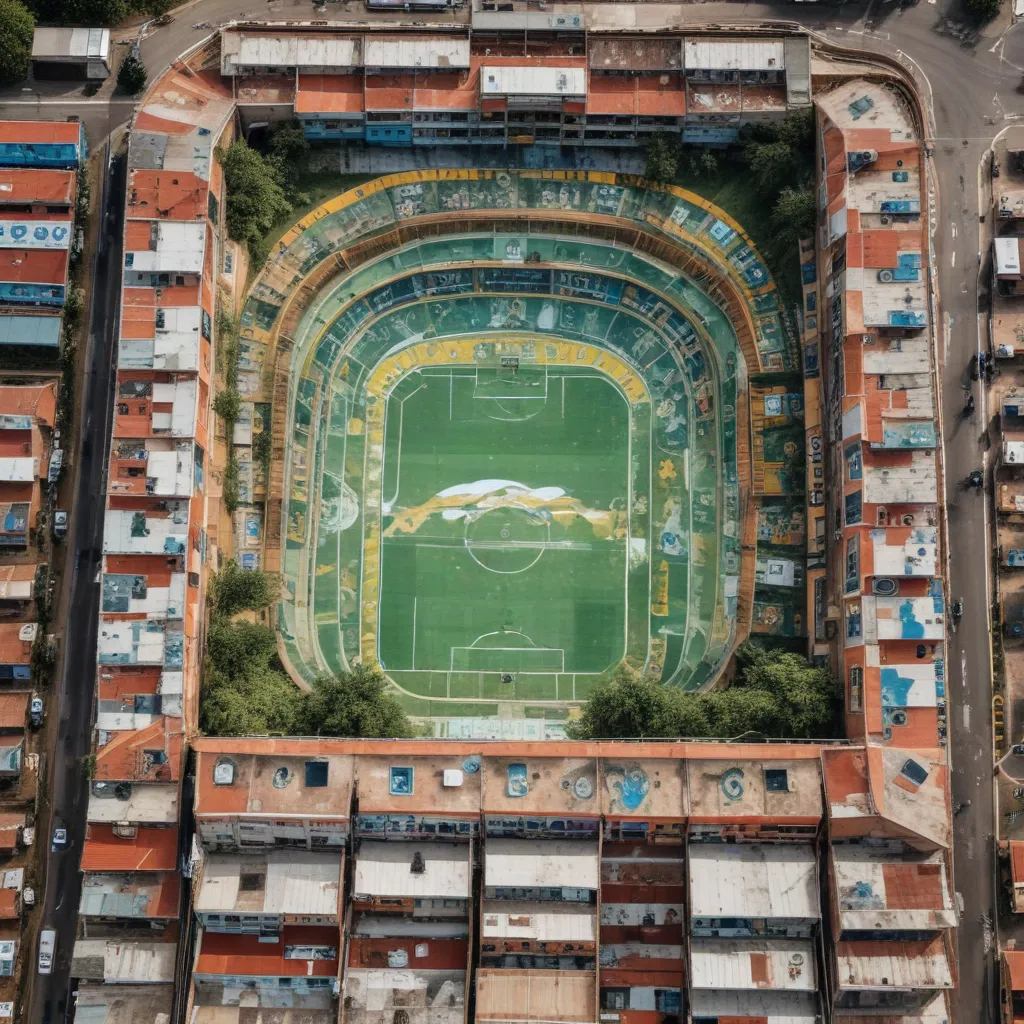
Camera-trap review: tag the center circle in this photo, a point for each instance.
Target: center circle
(508, 540)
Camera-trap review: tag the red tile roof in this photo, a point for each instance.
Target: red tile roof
(13, 709)
(13, 651)
(150, 849)
(246, 955)
(36, 186)
(34, 266)
(40, 131)
(39, 400)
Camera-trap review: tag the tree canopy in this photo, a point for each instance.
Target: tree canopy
(131, 75)
(775, 694)
(235, 589)
(354, 703)
(246, 691)
(256, 196)
(662, 160)
(94, 12)
(16, 24)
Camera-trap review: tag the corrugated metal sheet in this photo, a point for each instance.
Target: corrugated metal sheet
(527, 864)
(756, 880)
(880, 889)
(428, 52)
(522, 80)
(291, 882)
(734, 55)
(921, 965)
(551, 996)
(70, 43)
(767, 1007)
(257, 49)
(385, 869)
(632, 54)
(546, 922)
(740, 964)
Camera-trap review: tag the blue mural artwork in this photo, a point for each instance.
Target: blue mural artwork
(910, 629)
(895, 688)
(516, 785)
(633, 788)
(471, 765)
(732, 783)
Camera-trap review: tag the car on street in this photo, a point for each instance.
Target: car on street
(1017, 750)
(60, 837)
(35, 711)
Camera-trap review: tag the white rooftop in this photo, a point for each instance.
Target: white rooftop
(769, 1007)
(429, 52)
(138, 803)
(65, 43)
(742, 964)
(17, 470)
(527, 864)
(734, 54)
(892, 965)
(179, 249)
(753, 880)
(175, 346)
(131, 642)
(889, 484)
(286, 50)
(292, 882)
(385, 869)
(532, 81)
(545, 922)
(915, 556)
(127, 960)
(140, 533)
(1007, 256)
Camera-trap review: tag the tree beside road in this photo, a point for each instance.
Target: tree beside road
(16, 26)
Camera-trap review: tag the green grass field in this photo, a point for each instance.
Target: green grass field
(503, 530)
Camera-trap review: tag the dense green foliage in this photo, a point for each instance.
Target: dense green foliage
(235, 589)
(662, 160)
(131, 75)
(94, 12)
(355, 703)
(984, 10)
(246, 692)
(16, 24)
(256, 196)
(775, 694)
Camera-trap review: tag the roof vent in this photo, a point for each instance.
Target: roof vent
(417, 867)
(223, 773)
(452, 777)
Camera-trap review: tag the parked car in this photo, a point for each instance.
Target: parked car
(28, 835)
(1017, 750)
(35, 711)
(60, 837)
(28, 897)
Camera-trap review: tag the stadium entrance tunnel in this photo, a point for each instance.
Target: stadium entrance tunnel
(510, 434)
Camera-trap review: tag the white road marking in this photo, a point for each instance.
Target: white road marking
(952, 259)
(963, 668)
(967, 718)
(953, 226)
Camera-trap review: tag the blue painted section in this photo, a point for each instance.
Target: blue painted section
(900, 206)
(895, 688)
(389, 134)
(914, 434)
(318, 131)
(717, 136)
(41, 154)
(906, 318)
(18, 294)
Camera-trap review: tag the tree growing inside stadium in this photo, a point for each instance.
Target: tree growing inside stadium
(776, 694)
(662, 160)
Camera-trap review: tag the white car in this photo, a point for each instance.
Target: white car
(28, 835)
(60, 837)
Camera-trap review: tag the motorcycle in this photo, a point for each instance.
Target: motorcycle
(975, 479)
(957, 611)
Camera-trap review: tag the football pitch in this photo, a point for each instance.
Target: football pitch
(504, 528)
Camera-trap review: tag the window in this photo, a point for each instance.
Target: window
(316, 774)
(207, 324)
(856, 699)
(776, 780)
(400, 781)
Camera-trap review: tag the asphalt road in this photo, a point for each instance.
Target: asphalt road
(49, 1001)
(975, 85)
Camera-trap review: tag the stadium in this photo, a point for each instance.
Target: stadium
(509, 420)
